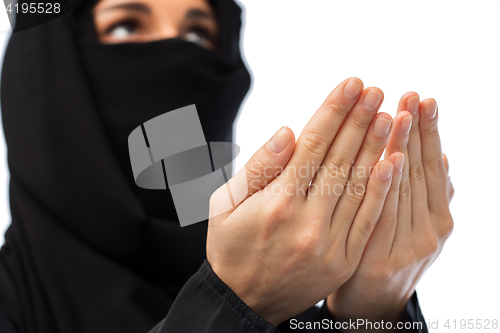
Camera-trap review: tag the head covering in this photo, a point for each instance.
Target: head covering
(89, 251)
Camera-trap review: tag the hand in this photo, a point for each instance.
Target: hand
(412, 230)
(298, 236)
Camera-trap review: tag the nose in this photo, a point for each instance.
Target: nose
(165, 30)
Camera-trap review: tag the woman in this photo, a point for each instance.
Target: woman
(88, 251)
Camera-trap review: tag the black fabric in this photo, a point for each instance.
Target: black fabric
(11, 319)
(207, 304)
(87, 250)
(214, 308)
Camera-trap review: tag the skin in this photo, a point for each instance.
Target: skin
(283, 251)
(132, 21)
(413, 228)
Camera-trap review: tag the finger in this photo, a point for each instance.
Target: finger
(352, 195)
(398, 143)
(400, 134)
(446, 163)
(336, 167)
(417, 173)
(369, 212)
(436, 175)
(317, 136)
(380, 244)
(264, 166)
(451, 189)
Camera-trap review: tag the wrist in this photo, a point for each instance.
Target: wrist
(377, 312)
(251, 293)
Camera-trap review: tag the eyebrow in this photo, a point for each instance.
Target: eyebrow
(133, 6)
(193, 14)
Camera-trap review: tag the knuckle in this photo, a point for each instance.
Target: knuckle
(417, 173)
(308, 243)
(355, 192)
(405, 192)
(365, 225)
(373, 148)
(360, 122)
(431, 129)
(446, 163)
(336, 108)
(383, 272)
(430, 246)
(408, 259)
(446, 226)
(414, 130)
(255, 167)
(451, 189)
(379, 194)
(436, 165)
(314, 144)
(338, 167)
(390, 220)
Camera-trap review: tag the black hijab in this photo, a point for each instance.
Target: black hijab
(88, 250)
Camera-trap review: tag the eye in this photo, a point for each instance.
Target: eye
(123, 30)
(201, 37)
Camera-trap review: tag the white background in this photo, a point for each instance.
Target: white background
(448, 50)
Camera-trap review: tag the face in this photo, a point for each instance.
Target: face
(136, 21)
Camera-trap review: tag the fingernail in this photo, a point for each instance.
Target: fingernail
(279, 140)
(353, 88)
(412, 104)
(399, 162)
(372, 99)
(406, 124)
(384, 170)
(382, 126)
(431, 109)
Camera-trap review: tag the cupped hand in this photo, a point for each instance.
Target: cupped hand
(299, 233)
(413, 226)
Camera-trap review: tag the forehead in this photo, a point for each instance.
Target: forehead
(159, 4)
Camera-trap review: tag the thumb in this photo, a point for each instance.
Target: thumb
(264, 166)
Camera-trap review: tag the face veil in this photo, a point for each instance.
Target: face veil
(86, 245)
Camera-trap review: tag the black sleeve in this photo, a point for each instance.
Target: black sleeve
(207, 305)
(10, 310)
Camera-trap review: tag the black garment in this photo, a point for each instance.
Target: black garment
(87, 250)
(207, 304)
